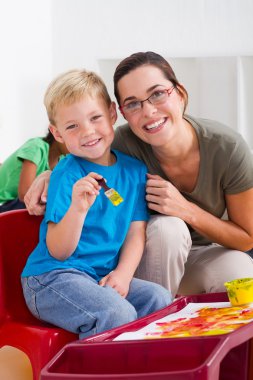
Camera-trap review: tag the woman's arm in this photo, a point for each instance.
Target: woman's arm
(235, 233)
(130, 256)
(27, 176)
(36, 197)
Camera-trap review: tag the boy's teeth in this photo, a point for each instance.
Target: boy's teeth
(91, 143)
(154, 125)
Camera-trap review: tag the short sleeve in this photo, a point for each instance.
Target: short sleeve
(59, 195)
(239, 173)
(34, 150)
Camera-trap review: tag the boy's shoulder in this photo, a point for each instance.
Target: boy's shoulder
(123, 157)
(75, 167)
(68, 164)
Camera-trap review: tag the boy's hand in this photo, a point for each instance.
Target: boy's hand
(85, 191)
(118, 281)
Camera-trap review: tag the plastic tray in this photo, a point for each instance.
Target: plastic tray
(221, 357)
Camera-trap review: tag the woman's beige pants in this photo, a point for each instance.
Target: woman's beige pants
(170, 259)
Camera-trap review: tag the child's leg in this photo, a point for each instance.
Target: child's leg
(74, 301)
(147, 296)
(14, 364)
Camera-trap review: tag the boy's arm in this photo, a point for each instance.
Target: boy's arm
(130, 256)
(63, 237)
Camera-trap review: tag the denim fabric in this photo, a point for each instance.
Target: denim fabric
(74, 301)
(15, 204)
(250, 253)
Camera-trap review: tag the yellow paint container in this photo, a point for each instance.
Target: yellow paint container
(240, 291)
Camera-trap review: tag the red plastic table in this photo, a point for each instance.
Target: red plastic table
(220, 357)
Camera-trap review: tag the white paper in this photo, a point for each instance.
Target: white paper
(190, 311)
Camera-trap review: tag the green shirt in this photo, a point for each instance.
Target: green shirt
(226, 165)
(35, 150)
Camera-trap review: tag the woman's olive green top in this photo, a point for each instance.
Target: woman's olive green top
(226, 164)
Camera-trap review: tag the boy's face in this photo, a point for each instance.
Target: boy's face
(86, 128)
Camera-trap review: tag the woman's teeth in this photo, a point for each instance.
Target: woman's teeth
(155, 125)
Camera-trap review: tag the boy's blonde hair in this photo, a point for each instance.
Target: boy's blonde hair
(70, 87)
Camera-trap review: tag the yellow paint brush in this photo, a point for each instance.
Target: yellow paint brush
(110, 193)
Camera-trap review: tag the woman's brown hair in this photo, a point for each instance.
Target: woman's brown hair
(147, 58)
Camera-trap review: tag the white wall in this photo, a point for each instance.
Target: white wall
(97, 29)
(206, 41)
(96, 34)
(25, 66)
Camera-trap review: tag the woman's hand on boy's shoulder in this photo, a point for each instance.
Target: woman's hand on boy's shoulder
(36, 197)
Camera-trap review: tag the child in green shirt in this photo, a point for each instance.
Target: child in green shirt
(20, 169)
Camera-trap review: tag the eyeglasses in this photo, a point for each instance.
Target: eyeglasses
(157, 97)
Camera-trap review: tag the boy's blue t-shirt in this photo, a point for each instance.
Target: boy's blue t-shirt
(105, 226)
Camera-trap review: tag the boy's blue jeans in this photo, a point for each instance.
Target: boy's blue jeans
(74, 301)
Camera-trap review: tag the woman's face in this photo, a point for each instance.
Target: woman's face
(153, 123)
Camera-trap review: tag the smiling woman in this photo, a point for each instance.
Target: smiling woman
(198, 169)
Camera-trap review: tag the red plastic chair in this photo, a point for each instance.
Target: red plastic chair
(18, 328)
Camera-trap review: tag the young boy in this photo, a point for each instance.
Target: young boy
(80, 275)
